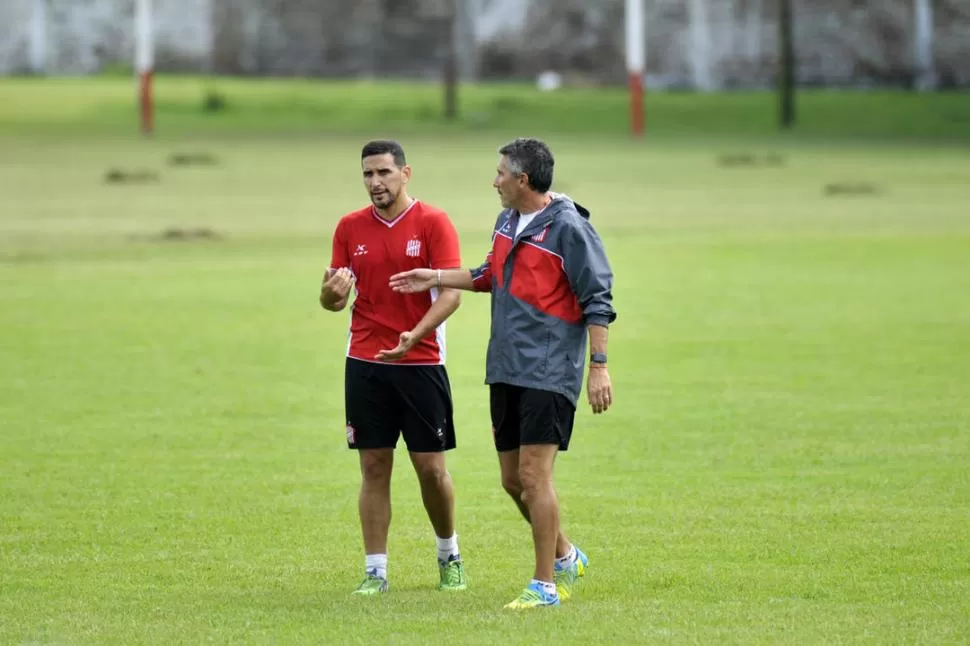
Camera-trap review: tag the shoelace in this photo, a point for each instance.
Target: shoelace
(530, 595)
(452, 573)
(370, 580)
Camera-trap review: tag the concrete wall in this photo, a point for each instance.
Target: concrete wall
(705, 44)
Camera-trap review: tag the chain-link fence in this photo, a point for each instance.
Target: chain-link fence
(706, 44)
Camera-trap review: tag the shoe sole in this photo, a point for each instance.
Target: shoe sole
(544, 605)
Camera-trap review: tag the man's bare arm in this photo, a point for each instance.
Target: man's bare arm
(421, 280)
(455, 279)
(598, 338)
(444, 306)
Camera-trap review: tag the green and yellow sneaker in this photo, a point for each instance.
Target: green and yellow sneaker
(452, 574)
(372, 584)
(566, 578)
(533, 597)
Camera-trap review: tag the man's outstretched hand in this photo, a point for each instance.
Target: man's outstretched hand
(414, 281)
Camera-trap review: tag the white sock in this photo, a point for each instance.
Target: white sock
(548, 588)
(447, 547)
(376, 562)
(569, 559)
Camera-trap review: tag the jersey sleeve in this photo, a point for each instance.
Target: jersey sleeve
(444, 247)
(340, 257)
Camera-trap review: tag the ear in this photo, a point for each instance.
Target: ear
(406, 172)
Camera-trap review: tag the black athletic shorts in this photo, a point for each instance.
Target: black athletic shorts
(529, 416)
(386, 400)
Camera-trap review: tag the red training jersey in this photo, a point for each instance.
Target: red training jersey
(374, 250)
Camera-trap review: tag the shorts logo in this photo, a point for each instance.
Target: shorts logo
(351, 434)
(413, 248)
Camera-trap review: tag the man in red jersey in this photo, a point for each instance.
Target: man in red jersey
(396, 383)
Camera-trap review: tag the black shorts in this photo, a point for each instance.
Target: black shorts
(385, 400)
(529, 416)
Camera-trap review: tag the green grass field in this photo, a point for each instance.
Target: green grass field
(46, 107)
(786, 461)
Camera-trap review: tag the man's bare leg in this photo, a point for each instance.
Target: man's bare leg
(375, 506)
(539, 496)
(437, 491)
(512, 483)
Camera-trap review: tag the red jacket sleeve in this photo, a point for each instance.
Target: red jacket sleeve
(482, 275)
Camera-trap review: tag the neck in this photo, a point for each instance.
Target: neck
(402, 202)
(534, 202)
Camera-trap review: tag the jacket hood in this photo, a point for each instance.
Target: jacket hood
(564, 199)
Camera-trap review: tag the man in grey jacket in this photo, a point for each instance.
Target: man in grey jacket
(551, 287)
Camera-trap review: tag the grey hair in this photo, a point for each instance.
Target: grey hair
(533, 158)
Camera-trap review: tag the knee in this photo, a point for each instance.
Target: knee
(376, 469)
(531, 479)
(512, 485)
(432, 474)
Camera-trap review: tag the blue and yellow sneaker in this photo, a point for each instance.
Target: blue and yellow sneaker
(582, 562)
(372, 584)
(567, 577)
(533, 597)
(452, 574)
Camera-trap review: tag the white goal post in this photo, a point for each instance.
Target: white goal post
(635, 61)
(145, 63)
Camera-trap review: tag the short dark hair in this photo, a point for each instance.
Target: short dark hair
(384, 147)
(532, 157)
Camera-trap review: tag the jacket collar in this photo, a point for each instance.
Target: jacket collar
(543, 219)
(559, 203)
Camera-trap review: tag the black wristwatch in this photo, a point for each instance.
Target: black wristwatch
(597, 357)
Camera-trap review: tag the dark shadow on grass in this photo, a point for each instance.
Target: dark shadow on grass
(180, 235)
(133, 176)
(192, 159)
(851, 189)
(751, 160)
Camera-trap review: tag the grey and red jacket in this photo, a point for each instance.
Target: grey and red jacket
(547, 285)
